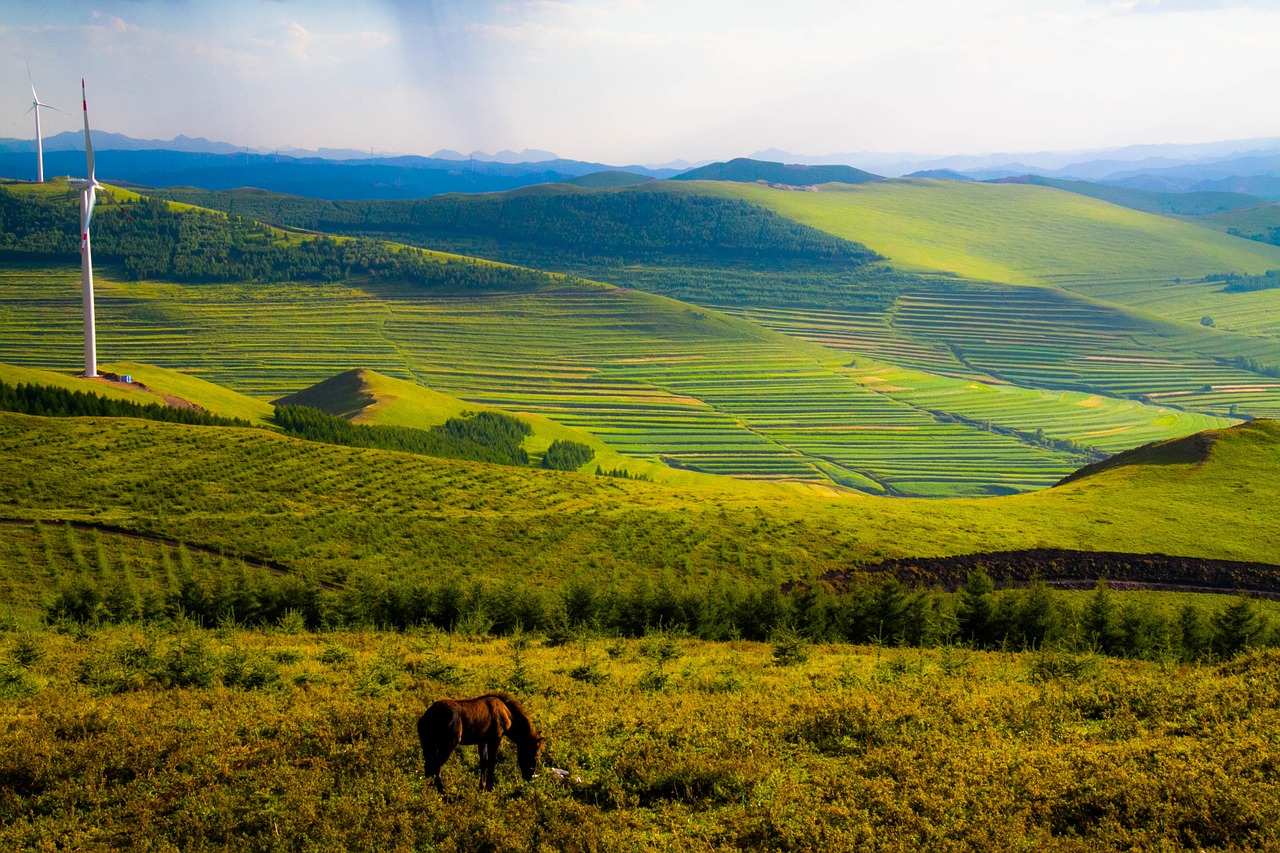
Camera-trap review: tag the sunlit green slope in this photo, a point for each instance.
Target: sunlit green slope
(1032, 235)
(150, 384)
(367, 397)
(676, 386)
(1010, 232)
(649, 376)
(330, 511)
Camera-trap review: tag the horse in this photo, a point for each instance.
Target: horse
(482, 721)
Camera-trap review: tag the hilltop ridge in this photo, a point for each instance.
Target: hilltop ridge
(1195, 449)
(746, 170)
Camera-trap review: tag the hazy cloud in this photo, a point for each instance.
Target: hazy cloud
(650, 80)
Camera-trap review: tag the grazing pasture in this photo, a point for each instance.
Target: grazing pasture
(306, 741)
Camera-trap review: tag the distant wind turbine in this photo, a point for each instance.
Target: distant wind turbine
(88, 195)
(36, 107)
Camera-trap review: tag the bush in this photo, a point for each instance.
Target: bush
(249, 670)
(189, 662)
(567, 455)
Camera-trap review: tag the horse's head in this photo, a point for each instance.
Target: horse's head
(527, 755)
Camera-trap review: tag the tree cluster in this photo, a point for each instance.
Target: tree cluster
(623, 224)
(152, 239)
(484, 437)
(52, 401)
(1239, 283)
(565, 455)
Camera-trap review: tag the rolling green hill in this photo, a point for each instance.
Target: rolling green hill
(334, 512)
(367, 397)
(1011, 233)
(1197, 204)
(680, 386)
(1261, 222)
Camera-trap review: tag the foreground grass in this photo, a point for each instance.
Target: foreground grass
(678, 744)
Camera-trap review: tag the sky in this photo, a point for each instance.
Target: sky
(651, 81)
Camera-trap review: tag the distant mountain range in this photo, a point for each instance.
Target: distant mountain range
(1242, 166)
(1249, 166)
(218, 166)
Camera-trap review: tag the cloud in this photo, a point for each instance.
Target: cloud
(306, 46)
(1157, 6)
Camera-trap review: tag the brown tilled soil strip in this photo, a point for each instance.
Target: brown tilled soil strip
(1081, 570)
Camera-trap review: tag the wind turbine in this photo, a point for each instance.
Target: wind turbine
(36, 106)
(88, 195)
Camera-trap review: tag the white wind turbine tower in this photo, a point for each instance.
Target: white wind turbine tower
(36, 107)
(88, 194)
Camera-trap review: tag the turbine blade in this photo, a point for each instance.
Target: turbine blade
(90, 200)
(88, 143)
(33, 85)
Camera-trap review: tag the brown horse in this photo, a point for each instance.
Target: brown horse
(481, 721)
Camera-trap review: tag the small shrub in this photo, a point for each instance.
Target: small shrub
(247, 670)
(1052, 664)
(189, 663)
(660, 646)
(126, 668)
(789, 648)
(335, 654)
(291, 622)
(588, 673)
(435, 669)
(28, 650)
(16, 682)
(653, 681)
(378, 678)
(520, 681)
(474, 623)
(724, 681)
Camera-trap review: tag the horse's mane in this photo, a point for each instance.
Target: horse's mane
(521, 724)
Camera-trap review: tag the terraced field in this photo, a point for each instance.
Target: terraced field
(649, 376)
(1038, 338)
(1189, 301)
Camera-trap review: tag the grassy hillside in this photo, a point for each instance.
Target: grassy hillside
(1198, 204)
(334, 513)
(1040, 236)
(367, 397)
(1260, 222)
(150, 385)
(684, 386)
(1011, 233)
(650, 377)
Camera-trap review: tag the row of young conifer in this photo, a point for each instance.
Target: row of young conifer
(881, 611)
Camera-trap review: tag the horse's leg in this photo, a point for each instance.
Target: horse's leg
(442, 755)
(482, 749)
(488, 762)
(436, 749)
